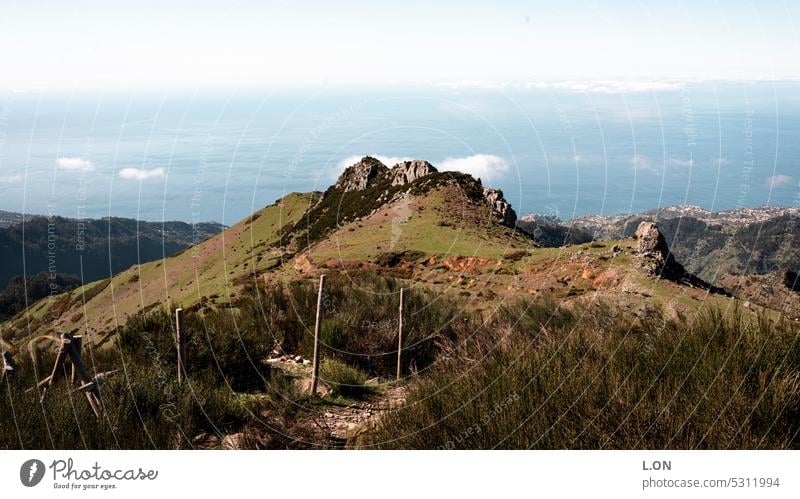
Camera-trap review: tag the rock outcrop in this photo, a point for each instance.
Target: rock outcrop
(365, 173)
(654, 258)
(406, 172)
(500, 207)
(652, 252)
(359, 176)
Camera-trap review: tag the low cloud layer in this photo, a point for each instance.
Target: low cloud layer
(778, 181)
(483, 166)
(141, 174)
(10, 179)
(576, 86)
(643, 163)
(75, 164)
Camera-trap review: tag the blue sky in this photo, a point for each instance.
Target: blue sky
(96, 44)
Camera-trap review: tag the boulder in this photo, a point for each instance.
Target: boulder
(500, 207)
(654, 258)
(652, 251)
(360, 175)
(406, 172)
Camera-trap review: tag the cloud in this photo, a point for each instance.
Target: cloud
(580, 86)
(609, 86)
(643, 164)
(11, 179)
(75, 164)
(389, 161)
(680, 162)
(484, 166)
(141, 174)
(473, 84)
(778, 181)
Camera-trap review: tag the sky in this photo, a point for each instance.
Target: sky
(179, 44)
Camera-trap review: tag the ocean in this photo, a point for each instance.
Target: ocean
(564, 150)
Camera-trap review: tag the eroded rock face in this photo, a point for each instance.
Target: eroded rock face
(358, 176)
(652, 253)
(500, 206)
(408, 171)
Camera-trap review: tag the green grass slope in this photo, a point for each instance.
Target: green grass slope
(208, 274)
(443, 219)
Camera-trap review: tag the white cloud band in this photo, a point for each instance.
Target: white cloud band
(141, 174)
(75, 164)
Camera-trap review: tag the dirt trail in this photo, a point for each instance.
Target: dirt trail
(328, 422)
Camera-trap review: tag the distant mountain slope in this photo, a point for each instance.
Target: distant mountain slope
(711, 244)
(9, 218)
(552, 233)
(91, 249)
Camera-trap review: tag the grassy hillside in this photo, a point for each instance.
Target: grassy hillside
(209, 273)
(537, 373)
(441, 222)
(541, 377)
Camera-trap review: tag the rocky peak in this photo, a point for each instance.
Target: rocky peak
(406, 172)
(500, 207)
(358, 176)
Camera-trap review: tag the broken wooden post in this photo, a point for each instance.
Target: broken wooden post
(400, 336)
(180, 339)
(58, 365)
(93, 394)
(317, 326)
(77, 344)
(9, 369)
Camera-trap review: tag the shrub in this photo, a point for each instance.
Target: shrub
(345, 380)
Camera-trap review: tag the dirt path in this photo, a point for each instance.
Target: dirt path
(330, 423)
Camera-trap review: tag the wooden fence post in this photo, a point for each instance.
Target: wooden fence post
(317, 326)
(77, 344)
(400, 336)
(89, 387)
(180, 339)
(58, 366)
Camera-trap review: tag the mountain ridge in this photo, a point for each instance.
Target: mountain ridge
(441, 230)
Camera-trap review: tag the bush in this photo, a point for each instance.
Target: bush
(345, 380)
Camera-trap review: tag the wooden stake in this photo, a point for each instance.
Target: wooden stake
(93, 396)
(180, 338)
(77, 343)
(400, 336)
(61, 356)
(317, 326)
